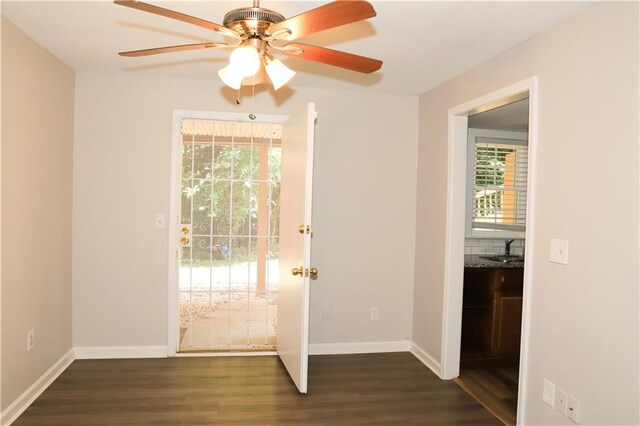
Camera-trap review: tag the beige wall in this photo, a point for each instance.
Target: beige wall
(364, 206)
(584, 320)
(37, 138)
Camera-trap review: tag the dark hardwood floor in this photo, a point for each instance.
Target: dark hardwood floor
(495, 387)
(392, 388)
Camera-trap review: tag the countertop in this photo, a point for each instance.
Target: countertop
(474, 261)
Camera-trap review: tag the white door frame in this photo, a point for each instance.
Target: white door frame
(174, 204)
(455, 224)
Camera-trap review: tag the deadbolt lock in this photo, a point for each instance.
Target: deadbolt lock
(304, 229)
(185, 235)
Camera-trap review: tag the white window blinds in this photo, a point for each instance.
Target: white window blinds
(499, 184)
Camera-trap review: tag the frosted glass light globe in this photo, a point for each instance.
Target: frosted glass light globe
(231, 76)
(246, 59)
(278, 72)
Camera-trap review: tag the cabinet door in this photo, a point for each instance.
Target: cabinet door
(509, 278)
(477, 312)
(507, 321)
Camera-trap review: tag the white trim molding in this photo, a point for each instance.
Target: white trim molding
(358, 347)
(428, 360)
(118, 352)
(17, 407)
(455, 226)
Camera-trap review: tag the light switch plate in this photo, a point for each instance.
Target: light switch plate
(161, 221)
(562, 400)
(559, 251)
(548, 392)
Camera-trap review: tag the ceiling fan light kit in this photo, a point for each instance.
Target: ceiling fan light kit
(256, 30)
(279, 73)
(231, 77)
(246, 60)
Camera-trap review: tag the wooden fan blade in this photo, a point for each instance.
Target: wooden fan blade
(146, 7)
(169, 49)
(325, 17)
(333, 57)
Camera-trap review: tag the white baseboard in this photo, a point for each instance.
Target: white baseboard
(17, 407)
(358, 347)
(427, 359)
(115, 352)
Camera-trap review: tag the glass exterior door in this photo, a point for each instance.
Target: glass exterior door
(228, 272)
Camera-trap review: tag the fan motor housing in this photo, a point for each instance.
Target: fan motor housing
(251, 20)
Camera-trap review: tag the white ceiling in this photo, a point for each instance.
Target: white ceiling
(422, 43)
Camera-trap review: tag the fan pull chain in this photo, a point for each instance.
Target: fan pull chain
(238, 97)
(253, 94)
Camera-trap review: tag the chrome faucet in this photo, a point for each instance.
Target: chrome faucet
(507, 247)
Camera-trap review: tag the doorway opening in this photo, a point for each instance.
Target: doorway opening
(488, 204)
(228, 235)
(497, 164)
(197, 240)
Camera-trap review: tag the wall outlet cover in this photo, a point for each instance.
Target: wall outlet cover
(31, 339)
(548, 392)
(573, 409)
(373, 314)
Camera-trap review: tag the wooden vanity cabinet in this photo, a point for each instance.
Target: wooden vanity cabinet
(491, 313)
(507, 312)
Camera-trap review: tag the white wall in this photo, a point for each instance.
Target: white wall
(37, 138)
(584, 320)
(364, 204)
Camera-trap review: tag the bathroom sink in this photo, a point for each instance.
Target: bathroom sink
(504, 259)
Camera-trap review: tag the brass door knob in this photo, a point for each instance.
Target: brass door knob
(184, 240)
(297, 271)
(313, 272)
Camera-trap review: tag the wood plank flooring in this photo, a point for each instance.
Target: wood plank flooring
(391, 388)
(496, 388)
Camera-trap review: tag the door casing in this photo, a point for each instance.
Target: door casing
(455, 226)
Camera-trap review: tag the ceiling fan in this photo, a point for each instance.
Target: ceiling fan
(257, 32)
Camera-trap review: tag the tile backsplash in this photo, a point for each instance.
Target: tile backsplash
(491, 246)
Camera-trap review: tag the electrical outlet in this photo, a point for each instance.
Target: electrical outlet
(31, 339)
(561, 401)
(573, 409)
(548, 392)
(373, 314)
(326, 312)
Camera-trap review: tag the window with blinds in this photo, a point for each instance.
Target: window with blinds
(499, 190)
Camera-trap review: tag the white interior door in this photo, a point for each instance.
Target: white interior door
(295, 243)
